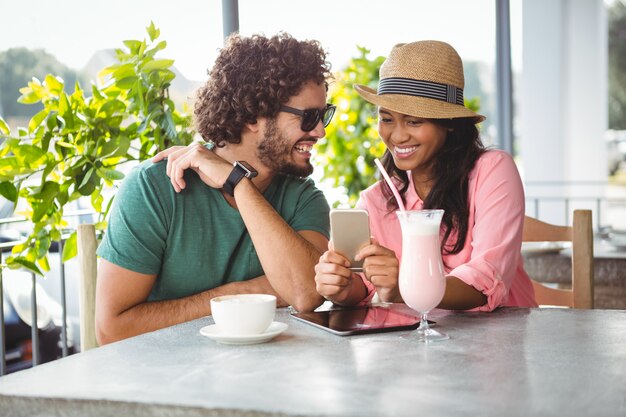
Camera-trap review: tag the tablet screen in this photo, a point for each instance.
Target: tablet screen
(359, 320)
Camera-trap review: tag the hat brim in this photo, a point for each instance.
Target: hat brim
(423, 107)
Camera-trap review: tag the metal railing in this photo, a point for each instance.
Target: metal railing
(575, 194)
(598, 205)
(36, 359)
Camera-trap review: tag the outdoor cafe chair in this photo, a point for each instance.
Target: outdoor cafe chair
(580, 234)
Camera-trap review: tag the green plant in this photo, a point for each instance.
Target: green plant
(351, 144)
(347, 153)
(74, 146)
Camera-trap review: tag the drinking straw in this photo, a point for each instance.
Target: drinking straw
(394, 190)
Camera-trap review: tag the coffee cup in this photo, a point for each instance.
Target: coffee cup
(243, 314)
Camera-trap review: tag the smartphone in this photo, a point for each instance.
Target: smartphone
(350, 231)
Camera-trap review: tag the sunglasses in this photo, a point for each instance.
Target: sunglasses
(311, 117)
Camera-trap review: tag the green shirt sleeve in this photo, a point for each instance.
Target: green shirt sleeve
(138, 223)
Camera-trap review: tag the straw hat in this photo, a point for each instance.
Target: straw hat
(422, 79)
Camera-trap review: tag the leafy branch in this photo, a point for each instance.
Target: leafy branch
(72, 148)
(351, 144)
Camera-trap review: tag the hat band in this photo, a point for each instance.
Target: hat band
(421, 88)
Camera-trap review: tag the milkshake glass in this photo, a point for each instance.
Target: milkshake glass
(422, 279)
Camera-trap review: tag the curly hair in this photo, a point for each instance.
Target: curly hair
(251, 78)
(451, 168)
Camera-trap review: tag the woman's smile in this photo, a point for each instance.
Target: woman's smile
(403, 152)
(412, 141)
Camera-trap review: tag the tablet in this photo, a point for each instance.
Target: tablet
(349, 321)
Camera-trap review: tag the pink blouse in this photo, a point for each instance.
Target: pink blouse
(491, 260)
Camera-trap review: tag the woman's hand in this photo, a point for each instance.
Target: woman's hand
(212, 169)
(381, 268)
(335, 281)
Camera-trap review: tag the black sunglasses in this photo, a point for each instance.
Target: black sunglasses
(311, 117)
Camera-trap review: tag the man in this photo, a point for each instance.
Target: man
(235, 215)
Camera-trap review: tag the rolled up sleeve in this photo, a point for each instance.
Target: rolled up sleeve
(497, 202)
(371, 290)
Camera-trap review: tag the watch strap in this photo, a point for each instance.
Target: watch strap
(236, 175)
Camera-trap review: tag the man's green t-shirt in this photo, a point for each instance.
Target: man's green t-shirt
(194, 240)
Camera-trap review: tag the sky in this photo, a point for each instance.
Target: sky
(73, 30)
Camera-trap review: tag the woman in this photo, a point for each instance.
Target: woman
(437, 160)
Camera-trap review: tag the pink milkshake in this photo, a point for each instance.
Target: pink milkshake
(422, 279)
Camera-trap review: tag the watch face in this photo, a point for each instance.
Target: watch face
(250, 172)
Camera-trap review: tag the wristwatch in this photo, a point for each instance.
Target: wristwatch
(240, 170)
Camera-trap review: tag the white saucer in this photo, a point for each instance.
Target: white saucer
(212, 332)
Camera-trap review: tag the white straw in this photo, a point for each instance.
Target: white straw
(394, 190)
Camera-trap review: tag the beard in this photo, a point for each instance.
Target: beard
(274, 152)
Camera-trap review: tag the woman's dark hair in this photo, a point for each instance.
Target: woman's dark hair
(451, 167)
(252, 77)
